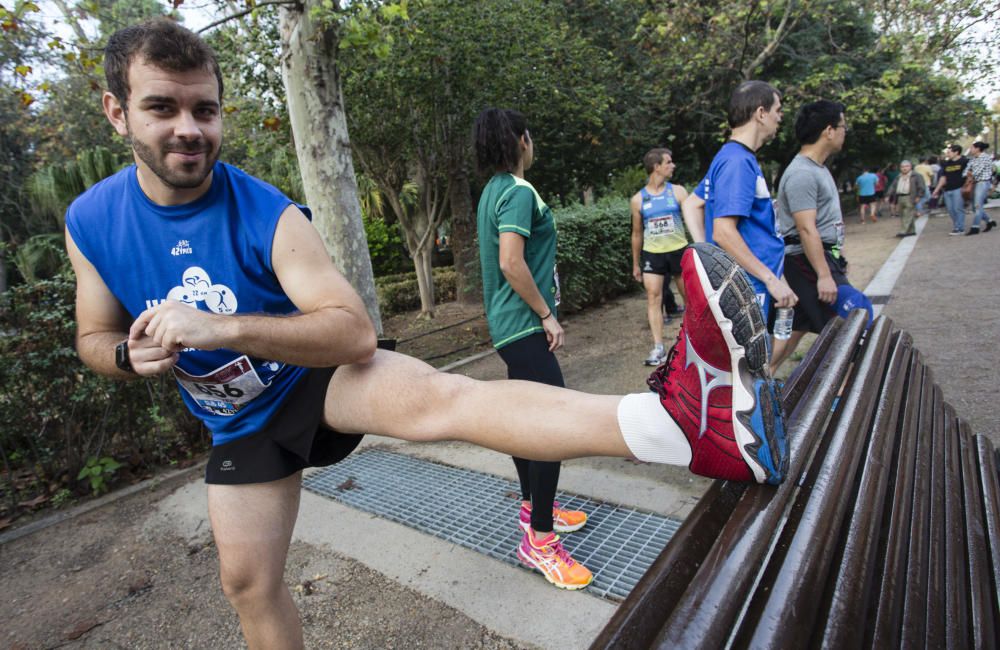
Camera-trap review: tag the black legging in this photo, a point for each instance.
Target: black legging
(530, 359)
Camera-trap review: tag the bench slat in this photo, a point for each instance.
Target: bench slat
(956, 601)
(980, 614)
(855, 577)
(914, 623)
(885, 628)
(990, 484)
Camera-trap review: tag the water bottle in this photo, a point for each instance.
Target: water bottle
(783, 323)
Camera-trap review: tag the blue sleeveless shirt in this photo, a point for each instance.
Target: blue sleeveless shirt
(662, 224)
(213, 254)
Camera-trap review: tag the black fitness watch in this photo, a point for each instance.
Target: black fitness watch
(121, 357)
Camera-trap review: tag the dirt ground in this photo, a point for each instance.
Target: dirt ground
(111, 579)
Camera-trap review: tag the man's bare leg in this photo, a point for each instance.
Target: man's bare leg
(654, 305)
(401, 397)
(781, 350)
(253, 525)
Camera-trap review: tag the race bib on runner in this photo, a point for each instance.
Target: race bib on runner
(660, 226)
(225, 390)
(556, 288)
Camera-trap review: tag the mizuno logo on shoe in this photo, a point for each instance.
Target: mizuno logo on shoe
(705, 370)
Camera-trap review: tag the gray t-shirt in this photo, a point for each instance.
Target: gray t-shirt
(806, 185)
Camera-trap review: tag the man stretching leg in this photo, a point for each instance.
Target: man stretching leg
(187, 265)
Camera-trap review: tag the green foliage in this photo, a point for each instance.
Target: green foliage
(41, 257)
(385, 245)
(55, 413)
(399, 293)
(593, 252)
(100, 472)
(53, 187)
(627, 181)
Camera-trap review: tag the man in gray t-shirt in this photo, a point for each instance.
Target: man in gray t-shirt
(812, 223)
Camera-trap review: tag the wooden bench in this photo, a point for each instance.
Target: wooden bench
(886, 532)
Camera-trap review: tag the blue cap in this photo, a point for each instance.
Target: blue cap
(849, 299)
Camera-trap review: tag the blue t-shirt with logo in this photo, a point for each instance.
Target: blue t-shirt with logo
(866, 184)
(735, 187)
(213, 254)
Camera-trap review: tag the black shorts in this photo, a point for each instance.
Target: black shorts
(811, 313)
(666, 264)
(293, 439)
(865, 200)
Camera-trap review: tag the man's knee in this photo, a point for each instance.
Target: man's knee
(434, 413)
(245, 585)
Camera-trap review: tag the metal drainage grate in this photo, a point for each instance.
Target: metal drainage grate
(479, 511)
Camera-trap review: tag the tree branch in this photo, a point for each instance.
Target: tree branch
(240, 14)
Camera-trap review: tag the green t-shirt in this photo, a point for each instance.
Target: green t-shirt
(511, 204)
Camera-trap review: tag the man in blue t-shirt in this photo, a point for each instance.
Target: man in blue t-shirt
(186, 265)
(867, 199)
(732, 206)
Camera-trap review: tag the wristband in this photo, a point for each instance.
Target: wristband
(547, 315)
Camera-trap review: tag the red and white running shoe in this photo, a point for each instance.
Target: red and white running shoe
(715, 382)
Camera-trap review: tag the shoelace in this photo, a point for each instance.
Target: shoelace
(556, 547)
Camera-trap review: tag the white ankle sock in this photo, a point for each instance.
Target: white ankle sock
(649, 431)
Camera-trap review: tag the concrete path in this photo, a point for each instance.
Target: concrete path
(948, 298)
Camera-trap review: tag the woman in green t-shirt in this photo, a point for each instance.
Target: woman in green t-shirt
(517, 250)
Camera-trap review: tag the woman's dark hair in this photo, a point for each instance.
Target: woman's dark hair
(979, 144)
(497, 134)
(160, 42)
(813, 118)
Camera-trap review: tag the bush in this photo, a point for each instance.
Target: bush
(594, 252)
(398, 293)
(55, 413)
(385, 245)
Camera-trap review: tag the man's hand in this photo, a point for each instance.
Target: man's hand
(553, 333)
(781, 292)
(173, 326)
(149, 359)
(827, 289)
(637, 273)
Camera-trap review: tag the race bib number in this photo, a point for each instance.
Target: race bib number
(660, 226)
(225, 390)
(840, 234)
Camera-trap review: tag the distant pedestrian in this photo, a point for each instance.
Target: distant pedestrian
(867, 199)
(927, 173)
(907, 188)
(891, 174)
(950, 184)
(658, 241)
(981, 170)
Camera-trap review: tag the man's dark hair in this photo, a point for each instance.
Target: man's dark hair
(747, 98)
(814, 117)
(654, 157)
(982, 146)
(955, 148)
(497, 134)
(932, 160)
(873, 170)
(160, 42)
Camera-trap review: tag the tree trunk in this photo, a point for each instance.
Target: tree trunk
(468, 288)
(319, 128)
(425, 279)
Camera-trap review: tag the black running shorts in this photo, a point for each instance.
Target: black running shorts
(292, 440)
(865, 200)
(811, 314)
(666, 264)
